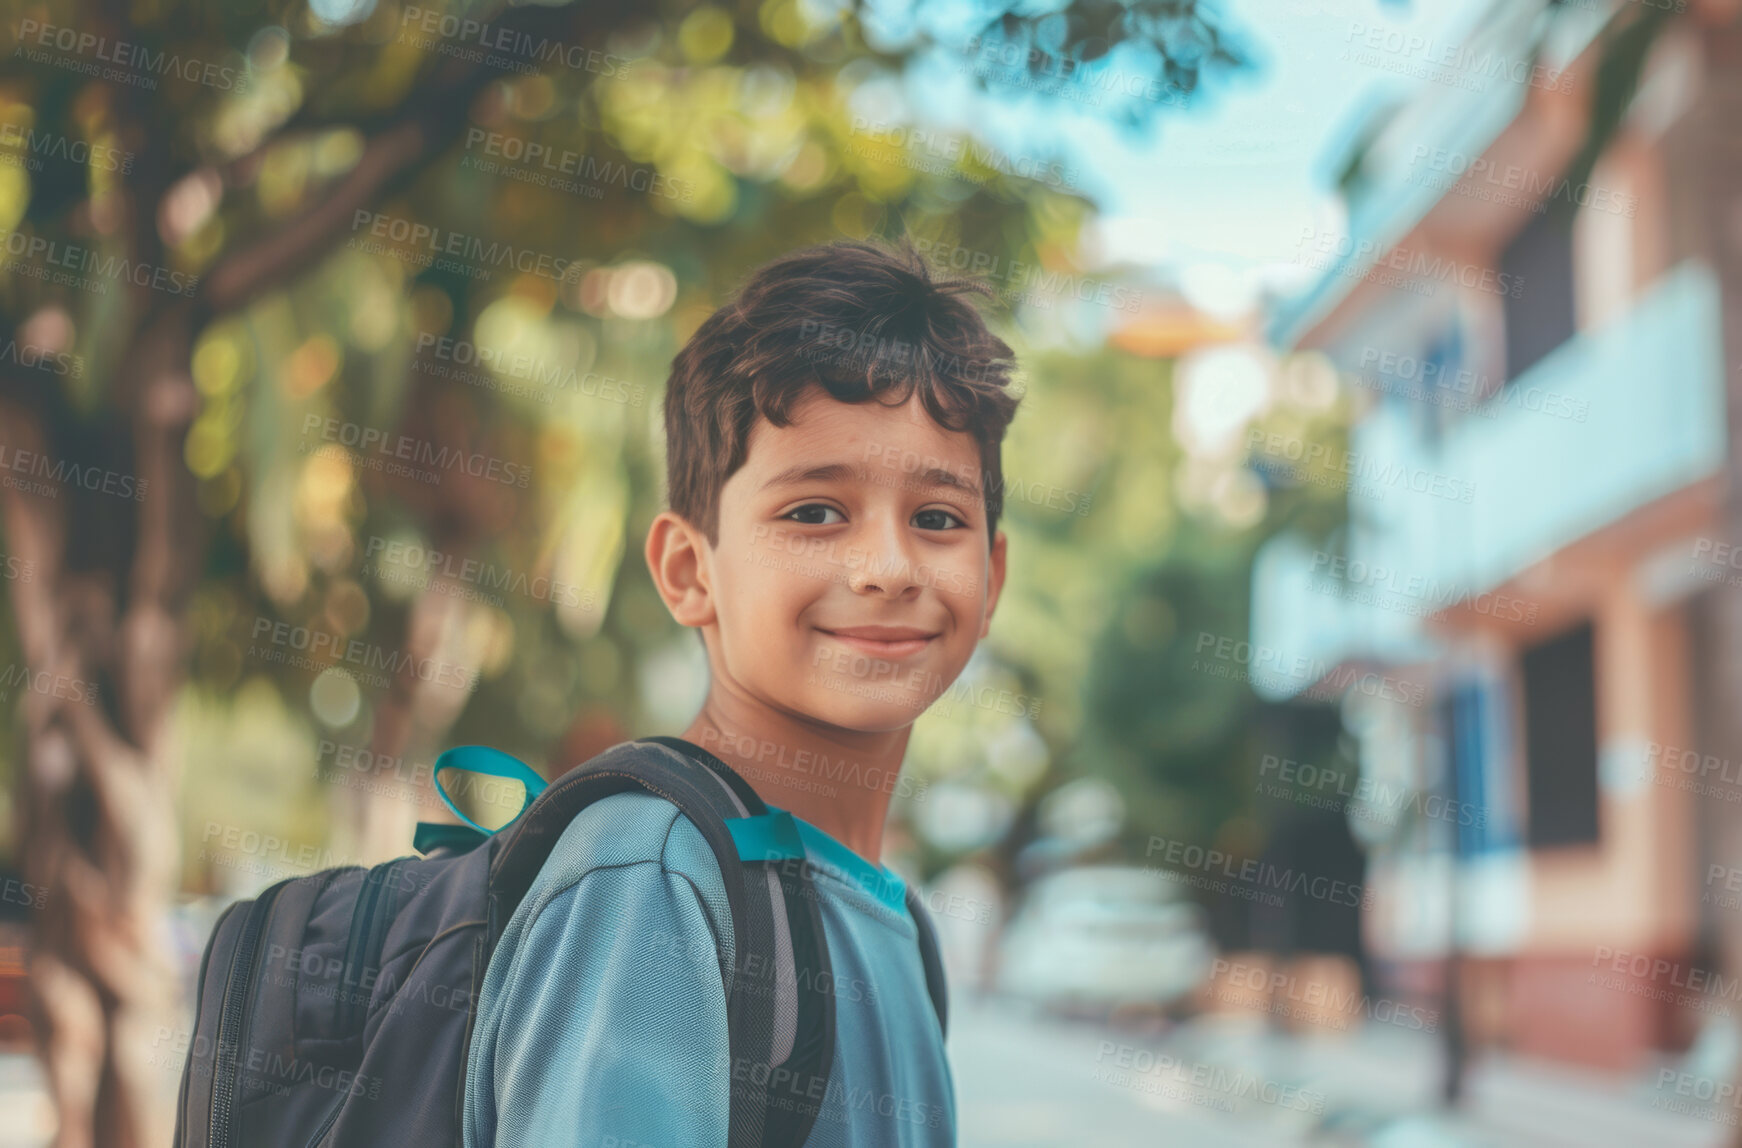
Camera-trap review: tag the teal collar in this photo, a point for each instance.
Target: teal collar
(779, 836)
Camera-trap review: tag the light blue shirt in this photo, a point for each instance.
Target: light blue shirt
(602, 1020)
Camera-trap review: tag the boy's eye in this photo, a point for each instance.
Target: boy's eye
(935, 519)
(809, 513)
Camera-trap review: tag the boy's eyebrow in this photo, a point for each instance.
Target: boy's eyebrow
(935, 476)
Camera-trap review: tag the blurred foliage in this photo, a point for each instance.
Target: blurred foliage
(1174, 731)
(699, 141)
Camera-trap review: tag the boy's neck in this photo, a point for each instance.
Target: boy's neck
(837, 779)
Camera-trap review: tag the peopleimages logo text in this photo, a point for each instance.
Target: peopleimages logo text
(546, 166)
(49, 254)
(372, 440)
(1345, 251)
(54, 145)
(127, 55)
(1374, 471)
(505, 43)
(430, 242)
(69, 474)
(1454, 59)
(355, 652)
(1260, 663)
(1256, 874)
(1017, 275)
(476, 572)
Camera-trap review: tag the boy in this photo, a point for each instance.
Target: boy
(833, 439)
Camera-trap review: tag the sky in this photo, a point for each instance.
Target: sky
(1221, 198)
(1214, 198)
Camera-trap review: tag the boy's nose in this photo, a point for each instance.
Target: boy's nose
(888, 568)
(892, 577)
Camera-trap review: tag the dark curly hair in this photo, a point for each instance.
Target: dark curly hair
(863, 321)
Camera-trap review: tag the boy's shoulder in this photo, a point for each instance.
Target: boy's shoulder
(636, 829)
(628, 829)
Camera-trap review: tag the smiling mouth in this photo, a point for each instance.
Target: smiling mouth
(882, 641)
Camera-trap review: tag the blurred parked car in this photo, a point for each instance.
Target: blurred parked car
(1102, 939)
(17, 900)
(14, 1027)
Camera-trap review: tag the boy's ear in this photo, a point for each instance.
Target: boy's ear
(677, 560)
(994, 581)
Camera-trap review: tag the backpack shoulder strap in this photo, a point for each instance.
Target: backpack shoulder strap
(781, 1036)
(935, 985)
(804, 1047)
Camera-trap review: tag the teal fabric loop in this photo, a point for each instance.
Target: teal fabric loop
(495, 763)
(770, 837)
(779, 836)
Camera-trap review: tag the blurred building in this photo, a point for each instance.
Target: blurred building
(1528, 308)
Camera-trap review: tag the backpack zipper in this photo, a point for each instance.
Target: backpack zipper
(181, 1104)
(226, 1063)
(375, 906)
(327, 1123)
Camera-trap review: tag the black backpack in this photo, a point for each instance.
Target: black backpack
(336, 1010)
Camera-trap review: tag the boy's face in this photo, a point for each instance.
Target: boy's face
(852, 579)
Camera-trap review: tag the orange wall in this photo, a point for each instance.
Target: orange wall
(1637, 888)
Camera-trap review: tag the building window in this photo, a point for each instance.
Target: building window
(1537, 286)
(1441, 362)
(1474, 717)
(1560, 740)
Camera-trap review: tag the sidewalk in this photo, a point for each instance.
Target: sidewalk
(1382, 1086)
(29, 1121)
(1025, 1079)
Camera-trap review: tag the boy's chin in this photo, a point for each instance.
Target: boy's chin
(865, 715)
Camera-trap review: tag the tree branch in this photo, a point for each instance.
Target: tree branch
(400, 146)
